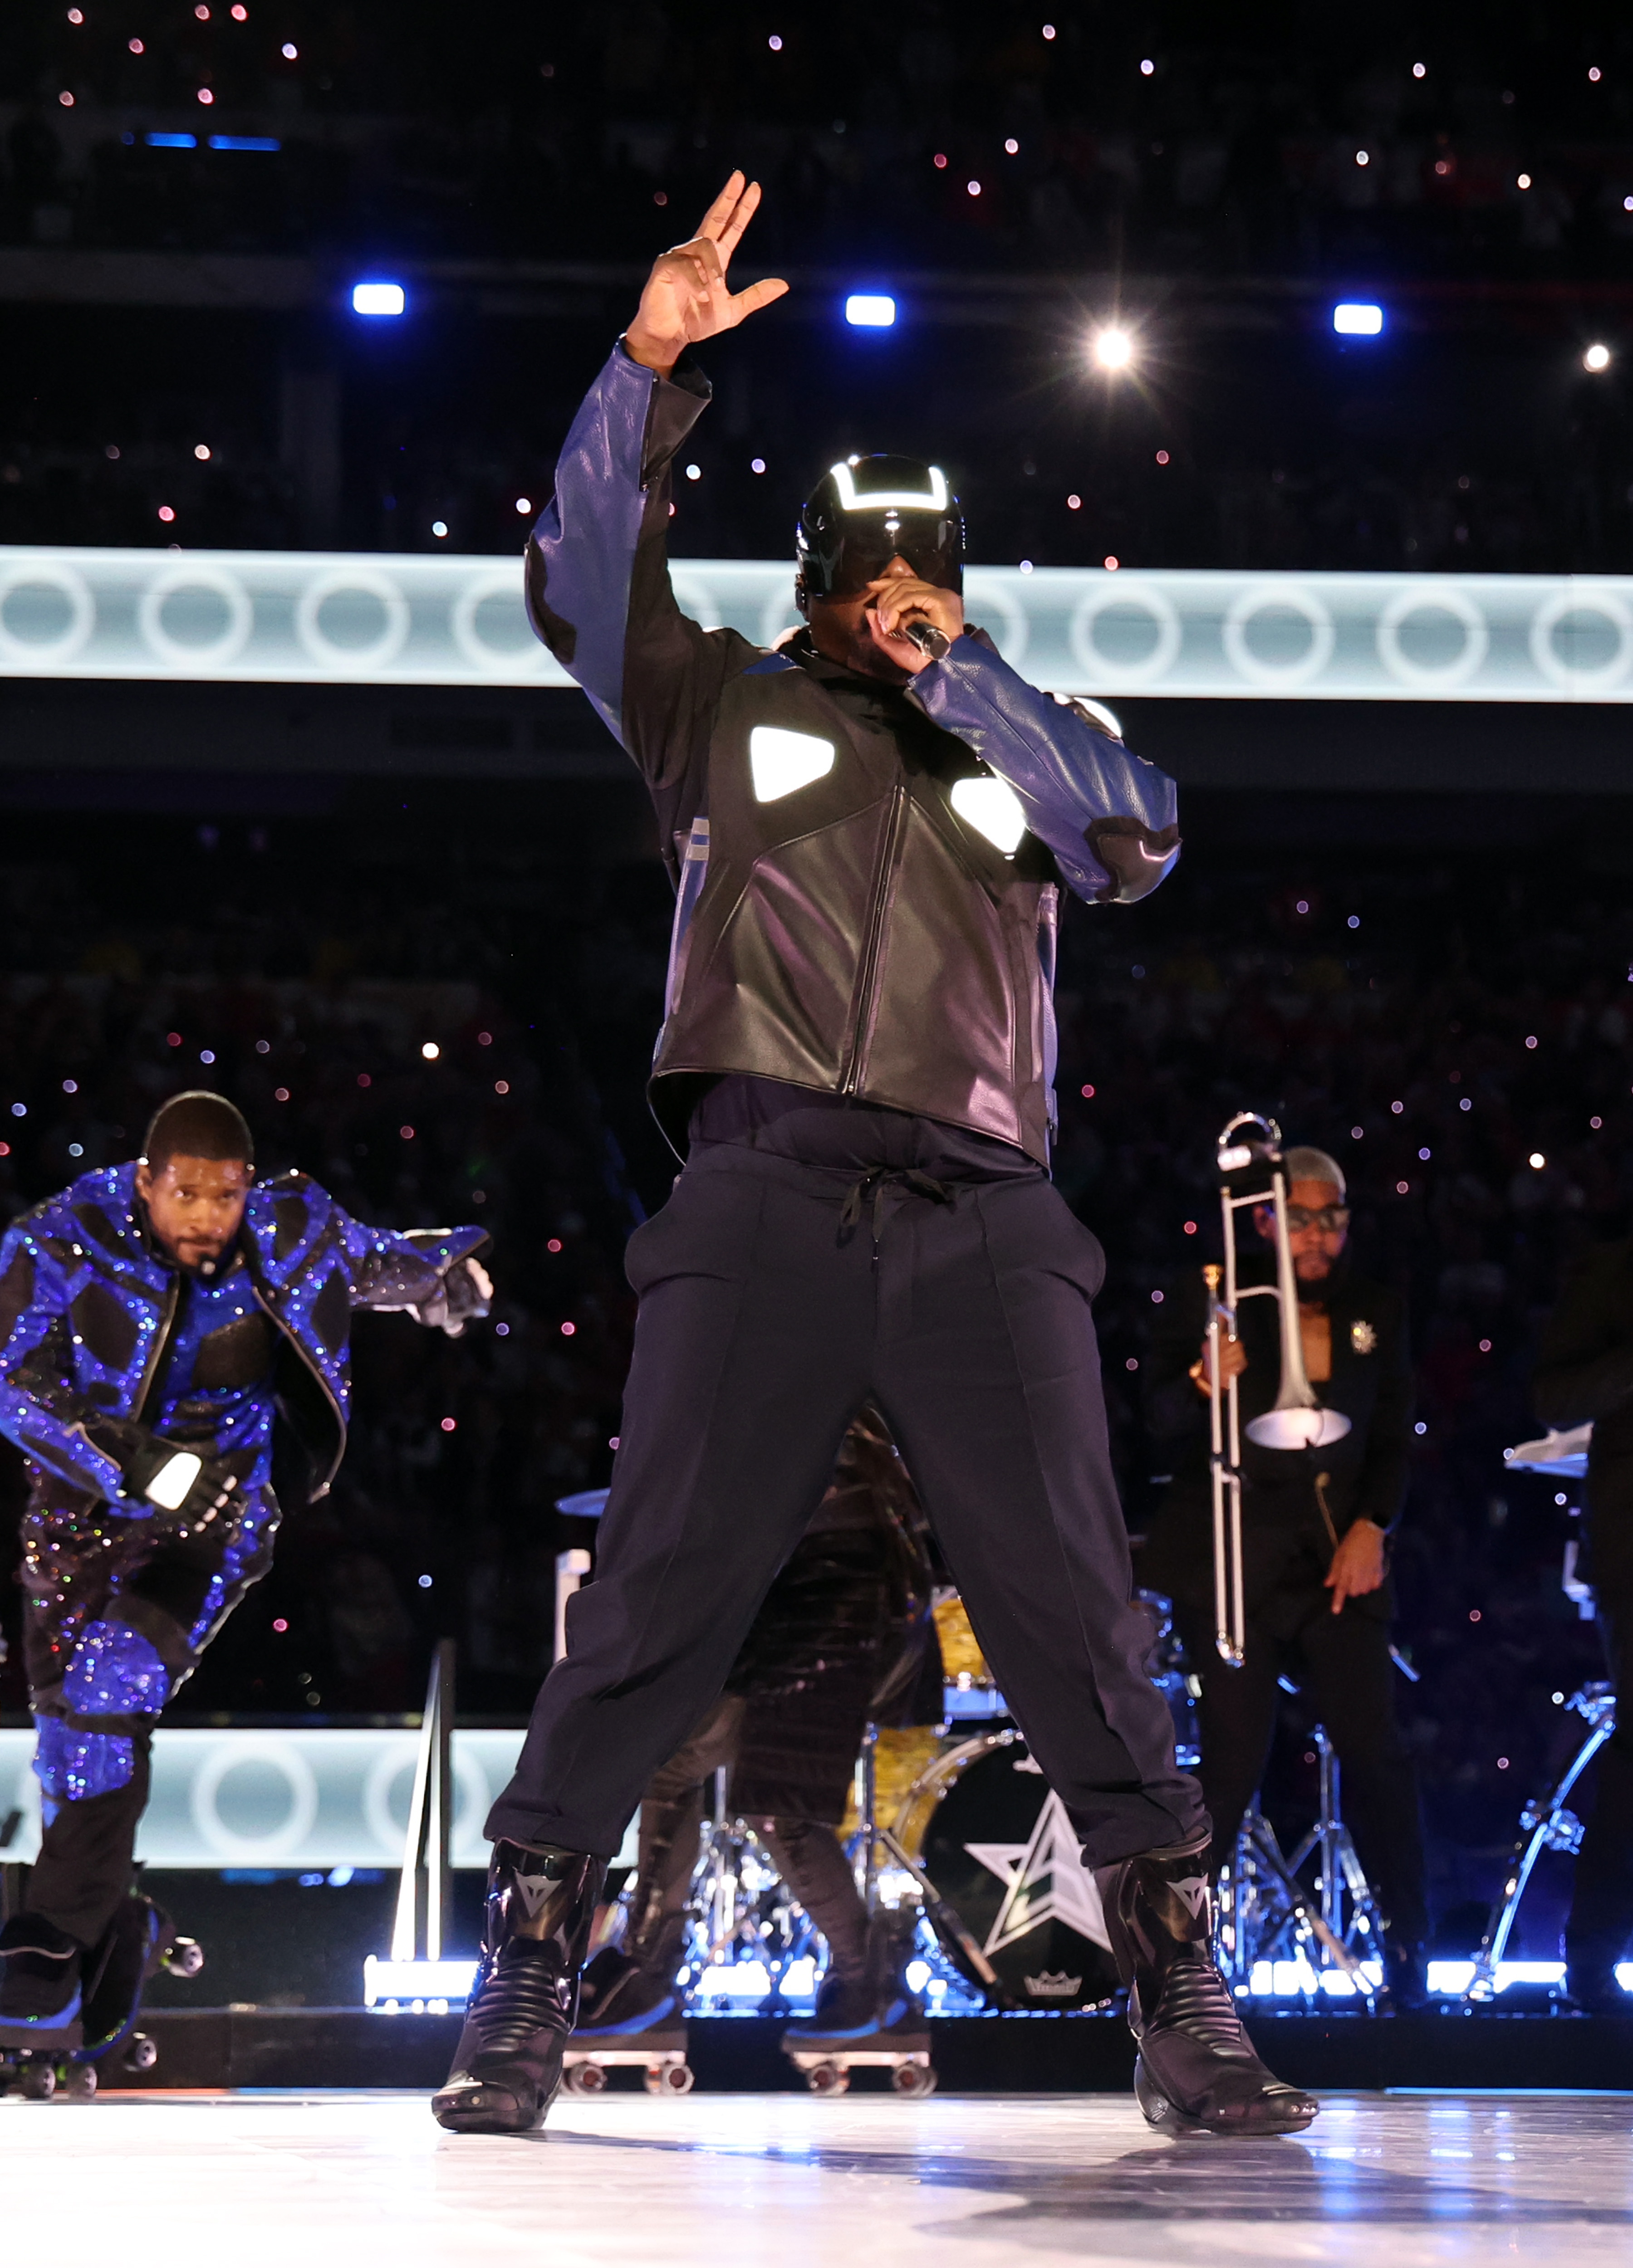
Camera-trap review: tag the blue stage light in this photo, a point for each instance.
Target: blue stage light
(378, 300)
(1357, 319)
(171, 141)
(870, 311)
(244, 142)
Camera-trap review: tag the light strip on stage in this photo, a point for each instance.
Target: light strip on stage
(377, 618)
(393, 1987)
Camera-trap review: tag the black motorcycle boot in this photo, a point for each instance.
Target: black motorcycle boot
(40, 1971)
(507, 2067)
(1196, 2070)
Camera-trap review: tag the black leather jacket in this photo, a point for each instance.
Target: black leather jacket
(868, 879)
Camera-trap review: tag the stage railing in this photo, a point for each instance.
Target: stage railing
(376, 618)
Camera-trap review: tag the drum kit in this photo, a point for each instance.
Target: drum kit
(972, 1867)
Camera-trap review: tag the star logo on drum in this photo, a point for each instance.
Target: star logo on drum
(1044, 1881)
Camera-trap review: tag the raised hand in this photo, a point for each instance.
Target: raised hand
(686, 298)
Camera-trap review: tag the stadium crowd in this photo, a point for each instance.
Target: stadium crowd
(1456, 1030)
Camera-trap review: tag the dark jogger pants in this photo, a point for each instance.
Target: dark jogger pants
(764, 1323)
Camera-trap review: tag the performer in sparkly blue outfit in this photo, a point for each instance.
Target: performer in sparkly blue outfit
(170, 1334)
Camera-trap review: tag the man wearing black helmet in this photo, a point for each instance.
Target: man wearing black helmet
(868, 829)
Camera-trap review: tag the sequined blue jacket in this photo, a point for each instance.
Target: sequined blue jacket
(88, 1304)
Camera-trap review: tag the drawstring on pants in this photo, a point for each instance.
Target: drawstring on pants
(869, 1189)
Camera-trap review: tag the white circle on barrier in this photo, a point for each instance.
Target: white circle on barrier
(184, 653)
(499, 660)
(471, 1795)
(1545, 654)
(1260, 598)
(323, 648)
(1143, 597)
(393, 1762)
(69, 583)
(986, 592)
(1432, 676)
(223, 1756)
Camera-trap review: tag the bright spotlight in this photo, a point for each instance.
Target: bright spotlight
(1357, 319)
(870, 311)
(378, 300)
(1111, 348)
(1596, 357)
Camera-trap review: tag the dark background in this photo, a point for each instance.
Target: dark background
(346, 873)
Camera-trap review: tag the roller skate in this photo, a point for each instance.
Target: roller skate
(65, 2010)
(861, 2024)
(630, 2012)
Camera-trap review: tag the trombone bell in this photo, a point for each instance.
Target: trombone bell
(1300, 1427)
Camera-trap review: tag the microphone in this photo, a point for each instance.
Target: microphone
(927, 637)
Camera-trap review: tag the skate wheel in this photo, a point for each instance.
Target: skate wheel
(585, 2079)
(141, 2053)
(827, 2078)
(183, 1956)
(669, 2079)
(913, 2079)
(80, 2084)
(36, 2082)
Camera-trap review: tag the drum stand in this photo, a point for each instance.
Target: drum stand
(1265, 1914)
(1547, 1824)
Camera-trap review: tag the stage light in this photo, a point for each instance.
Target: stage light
(1595, 74)
(289, 51)
(1596, 357)
(430, 1050)
(524, 505)
(205, 96)
(1524, 182)
(870, 311)
(1364, 158)
(378, 300)
(171, 141)
(439, 528)
(202, 451)
(1146, 67)
(1111, 563)
(756, 464)
(1048, 30)
(1420, 71)
(1113, 349)
(774, 44)
(136, 46)
(244, 142)
(1012, 148)
(1357, 319)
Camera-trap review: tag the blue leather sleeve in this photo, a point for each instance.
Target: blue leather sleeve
(38, 1409)
(1082, 790)
(581, 559)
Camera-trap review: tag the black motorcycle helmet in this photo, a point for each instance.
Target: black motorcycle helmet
(869, 511)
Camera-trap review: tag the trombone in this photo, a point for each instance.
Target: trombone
(1251, 1173)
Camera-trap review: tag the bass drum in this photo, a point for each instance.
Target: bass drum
(995, 1843)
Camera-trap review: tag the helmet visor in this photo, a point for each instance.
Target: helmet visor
(867, 542)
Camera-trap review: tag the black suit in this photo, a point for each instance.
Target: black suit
(1585, 1371)
(1295, 1506)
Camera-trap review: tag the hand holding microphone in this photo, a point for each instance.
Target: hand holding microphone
(915, 622)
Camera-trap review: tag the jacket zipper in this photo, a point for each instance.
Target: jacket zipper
(265, 1305)
(872, 939)
(161, 1342)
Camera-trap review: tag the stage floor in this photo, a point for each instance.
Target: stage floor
(260, 2180)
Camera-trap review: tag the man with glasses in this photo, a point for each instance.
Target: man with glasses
(1315, 1524)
